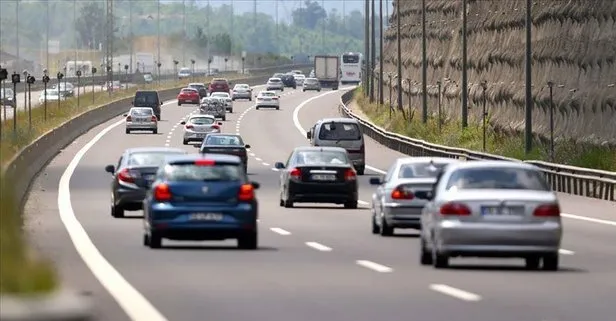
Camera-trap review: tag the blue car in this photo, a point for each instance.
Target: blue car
(201, 197)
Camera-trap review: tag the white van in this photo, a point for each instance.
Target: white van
(341, 132)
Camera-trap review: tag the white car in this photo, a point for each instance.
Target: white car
(141, 118)
(226, 97)
(274, 84)
(197, 126)
(268, 99)
(299, 79)
(52, 95)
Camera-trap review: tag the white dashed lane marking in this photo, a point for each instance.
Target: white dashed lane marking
(319, 246)
(374, 266)
(454, 292)
(280, 231)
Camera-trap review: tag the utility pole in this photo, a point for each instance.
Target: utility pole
(75, 35)
(158, 34)
(464, 71)
(47, 24)
(232, 29)
(424, 65)
(381, 99)
(183, 33)
(372, 49)
(528, 130)
(109, 47)
(130, 27)
(277, 31)
(323, 30)
(399, 36)
(18, 64)
(366, 47)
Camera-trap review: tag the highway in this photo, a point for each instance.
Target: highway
(315, 262)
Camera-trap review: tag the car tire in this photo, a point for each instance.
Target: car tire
(146, 239)
(303, 90)
(278, 108)
(425, 257)
(532, 262)
(117, 211)
(156, 241)
(179, 103)
(155, 131)
(257, 108)
(249, 99)
(127, 131)
(288, 203)
(350, 204)
(249, 241)
(158, 117)
(375, 227)
(385, 229)
(361, 170)
(318, 90)
(281, 202)
(551, 262)
(224, 118)
(185, 142)
(231, 110)
(439, 260)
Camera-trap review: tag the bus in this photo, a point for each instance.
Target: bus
(350, 68)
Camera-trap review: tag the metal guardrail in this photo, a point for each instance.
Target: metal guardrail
(562, 178)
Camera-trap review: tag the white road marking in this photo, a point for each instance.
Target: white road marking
(280, 231)
(319, 246)
(565, 252)
(363, 202)
(252, 154)
(134, 304)
(266, 164)
(374, 266)
(454, 292)
(258, 159)
(588, 219)
(274, 169)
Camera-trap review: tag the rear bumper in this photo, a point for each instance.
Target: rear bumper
(241, 96)
(322, 193)
(137, 126)
(276, 87)
(188, 101)
(311, 88)
(481, 239)
(403, 216)
(268, 104)
(129, 198)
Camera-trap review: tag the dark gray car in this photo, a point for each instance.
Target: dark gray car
(133, 174)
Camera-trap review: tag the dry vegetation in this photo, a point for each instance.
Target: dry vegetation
(574, 45)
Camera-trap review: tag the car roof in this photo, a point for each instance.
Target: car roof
(187, 88)
(144, 107)
(201, 116)
(339, 120)
(155, 150)
(320, 149)
(274, 78)
(225, 134)
(194, 157)
(196, 84)
(146, 92)
(219, 79)
(493, 164)
(424, 159)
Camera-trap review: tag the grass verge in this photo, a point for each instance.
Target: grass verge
(498, 142)
(21, 272)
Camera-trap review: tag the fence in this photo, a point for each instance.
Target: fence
(562, 178)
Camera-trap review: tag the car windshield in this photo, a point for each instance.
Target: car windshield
(189, 91)
(147, 77)
(321, 157)
(197, 86)
(274, 80)
(268, 94)
(202, 120)
(145, 99)
(339, 131)
(224, 140)
(350, 59)
(219, 82)
(420, 170)
(278, 75)
(141, 112)
(149, 158)
(192, 172)
(310, 81)
(497, 178)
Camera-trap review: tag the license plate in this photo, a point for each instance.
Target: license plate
(320, 177)
(149, 177)
(201, 135)
(502, 211)
(206, 217)
(267, 99)
(142, 120)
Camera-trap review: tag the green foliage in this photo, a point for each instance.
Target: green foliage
(508, 144)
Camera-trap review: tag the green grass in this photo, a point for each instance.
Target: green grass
(21, 270)
(508, 144)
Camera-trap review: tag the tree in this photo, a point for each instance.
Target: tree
(200, 38)
(91, 25)
(309, 16)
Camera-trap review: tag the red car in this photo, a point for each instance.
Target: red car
(188, 96)
(219, 85)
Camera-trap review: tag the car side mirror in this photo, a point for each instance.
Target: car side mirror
(161, 103)
(255, 185)
(279, 165)
(309, 135)
(110, 169)
(376, 181)
(424, 195)
(247, 146)
(183, 123)
(220, 123)
(125, 115)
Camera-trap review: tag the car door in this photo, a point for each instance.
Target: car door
(284, 174)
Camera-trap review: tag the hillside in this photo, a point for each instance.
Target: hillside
(574, 45)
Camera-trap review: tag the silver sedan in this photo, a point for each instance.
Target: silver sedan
(394, 204)
(491, 209)
(197, 126)
(141, 118)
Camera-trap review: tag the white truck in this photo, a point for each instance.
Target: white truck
(327, 71)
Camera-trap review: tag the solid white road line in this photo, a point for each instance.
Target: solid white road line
(363, 202)
(454, 292)
(588, 219)
(319, 246)
(565, 252)
(136, 306)
(280, 231)
(374, 266)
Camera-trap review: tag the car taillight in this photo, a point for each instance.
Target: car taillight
(189, 127)
(216, 127)
(205, 162)
(162, 192)
(126, 176)
(350, 175)
(399, 193)
(128, 118)
(453, 208)
(246, 193)
(549, 210)
(154, 119)
(296, 174)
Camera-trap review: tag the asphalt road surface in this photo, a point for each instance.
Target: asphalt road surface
(315, 262)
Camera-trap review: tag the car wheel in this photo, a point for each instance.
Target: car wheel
(158, 118)
(281, 202)
(551, 262)
(257, 108)
(249, 241)
(439, 260)
(303, 90)
(361, 170)
(127, 131)
(185, 142)
(350, 204)
(288, 203)
(224, 118)
(146, 239)
(278, 108)
(156, 241)
(319, 90)
(231, 110)
(117, 211)
(155, 131)
(386, 230)
(425, 256)
(179, 103)
(375, 227)
(532, 263)
(249, 99)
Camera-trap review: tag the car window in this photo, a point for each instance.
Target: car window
(390, 173)
(224, 140)
(202, 120)
(192, 172)
(268, 94)
(274, 80)
(420, 170)
(149, 158)
(321, 157)
(141, 112)
(188, 90)
(497, 178)
(220, 95)
(197, 86)
(339, 131)
(219, 82)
